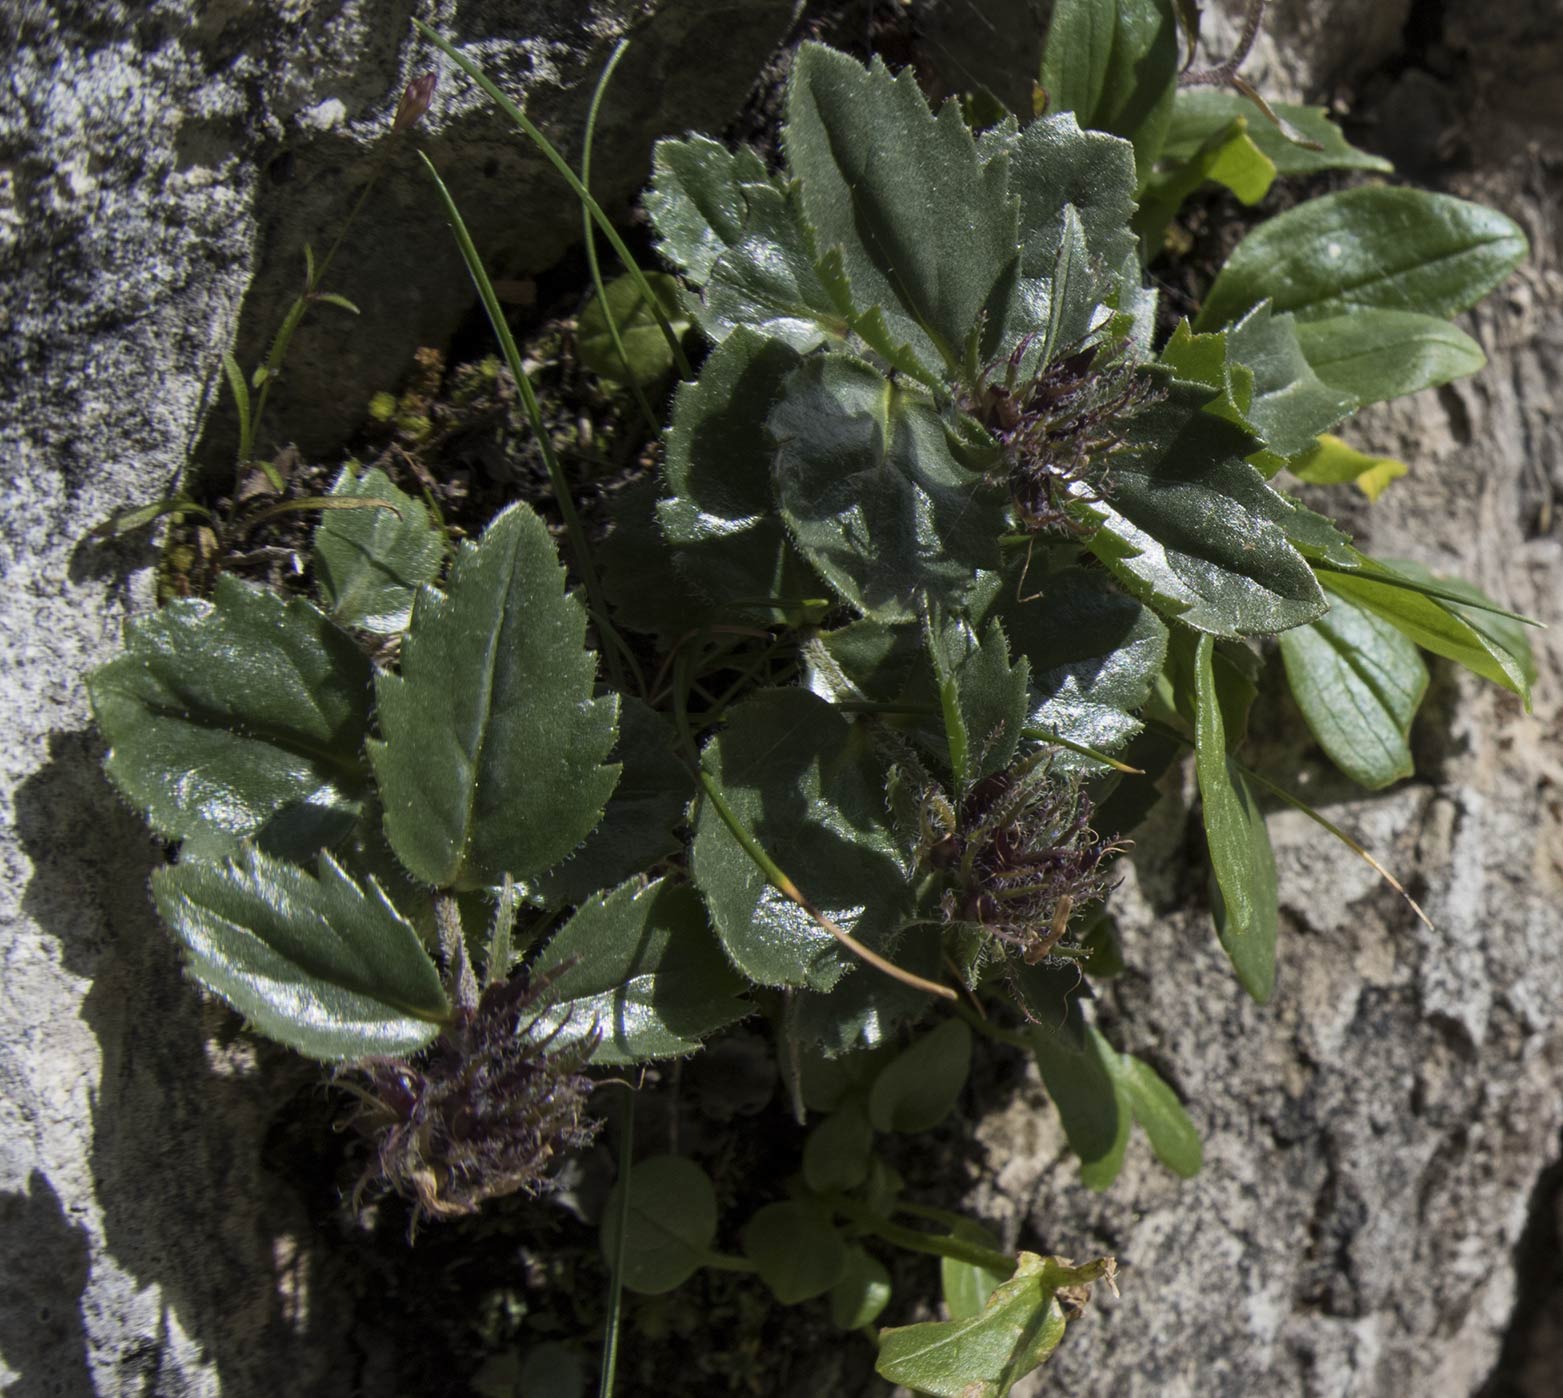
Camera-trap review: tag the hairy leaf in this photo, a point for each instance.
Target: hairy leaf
(805, 782)
(982, 696)
(322, 965)
(492, 757)
(641, 968)
(1241, 860)
(222, 715)
(1394, 249)
(1358, 682)
(370, 563)
(877, 491)
(696, 200)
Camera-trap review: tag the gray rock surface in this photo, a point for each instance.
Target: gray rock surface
(145, 1248)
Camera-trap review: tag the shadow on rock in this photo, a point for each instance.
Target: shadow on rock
(41, 1334)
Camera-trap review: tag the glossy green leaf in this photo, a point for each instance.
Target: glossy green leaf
(880, 176)
(1331, 461)
(798, 1254)
(492, 757)
(370, 563)
(965, 1286)
(720, 517)
(672, 1224)
(1200, 112)
(1434, 625)
(809, 787)
(223, 715)
(863, 1291)
(865, 1011)
(919, 1087)
(1094, 654)
(877, 491)
(640, 967)
(1241, 860)
(982, 696)
(1503, 633)
(1394, 249)
(986, 1354)
(1190, 527)
(768, 280)
(1114, 64)
(1358, 682)
(639, 826)
(322, 965)
(1167, 1126)
(696, 200)
(1375, 354)
(648, 356)
(1091, 1103)
(835, 1156)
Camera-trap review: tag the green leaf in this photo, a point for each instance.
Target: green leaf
(768, 280)
(798, 1254)
(881, 180)
(220, 715)
(862, 1293)
(878, 492)
(1228, 157)
(986, 1354)
(322, 965)
(865, 1011)
(983, 696)
(1114, 64)
(919, 1087)
(1376, 354)
(1432, 624)
(808, 786)
(696, 200)
(672, 1224)
(1091, 1103)
(646, 594)
(1094, 655)
(1504, 633)
(369, 563)
(965, 1286)
(491, 761)
(640, 966)
(1395, 249)
(646, 348)
(1358, 682)
(836, 1154)
(1200, 112)
(1331, 461)
(1167, 1126)
(1241, 860)
(1191, 528)
(638, 828)
(721, 518)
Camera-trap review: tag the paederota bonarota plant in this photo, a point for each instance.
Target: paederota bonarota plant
(948, 555)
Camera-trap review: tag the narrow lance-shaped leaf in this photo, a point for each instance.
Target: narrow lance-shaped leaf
(1167, 1126)
(370, 563)
(1397, 249)
(1241, 860)
(640, 967)
(491, 760)
(1358, 682)
(1090, 1101)
(322, 965)
(1375, 354)
(222, 715)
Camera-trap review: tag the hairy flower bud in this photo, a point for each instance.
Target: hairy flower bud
(416, 97)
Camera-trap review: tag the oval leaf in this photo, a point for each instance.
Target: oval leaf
(321, 965)
(1167, 1126)
(646, 348)
(221, 714)
(1083, 1083)
(1398, 249)
(862, 1293)
(369, 563)
(672, 1222)
(491, 762)
(835, 1156)
(918, 1088)
(799, 1255)
(1375, 354)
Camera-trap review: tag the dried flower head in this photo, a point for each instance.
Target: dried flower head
(1058, 430)
(416, 97)
(1020, 855)
(482, 1113)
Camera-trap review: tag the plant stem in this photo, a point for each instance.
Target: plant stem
(610, 1342)
(1013, 1037)
(914, 1240)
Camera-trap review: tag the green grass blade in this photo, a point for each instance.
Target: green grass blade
(610, 1342)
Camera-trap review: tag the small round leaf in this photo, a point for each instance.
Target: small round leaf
(798, 1254)
(916, 1090)
(645, 346)
(837, 1151)
(863, 1291)
(672, 1222)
